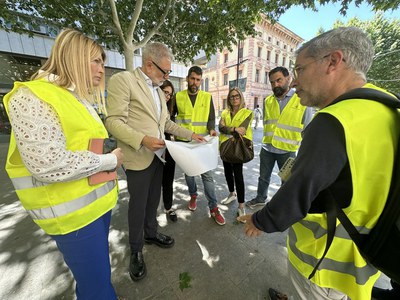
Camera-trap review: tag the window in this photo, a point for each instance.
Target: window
(268, 55)
(225, 79)
(225, 57)
(206, 85)
(255, 102)
(269, 39)
(277, 43)
(257, 79)
(276, 58)
(266, 78)
(284, 47)
(259, 52)
(283, 61)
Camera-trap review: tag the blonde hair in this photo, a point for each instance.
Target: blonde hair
(70, 59)
(228, 100)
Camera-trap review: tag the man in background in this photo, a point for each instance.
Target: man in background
(284, 120)
(195, 111)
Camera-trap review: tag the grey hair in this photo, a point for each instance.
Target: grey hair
(357, 47)
(155, 51)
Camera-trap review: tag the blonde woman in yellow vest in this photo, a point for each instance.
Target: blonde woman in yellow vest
(236, 119)
(53, 120)
(348, 151)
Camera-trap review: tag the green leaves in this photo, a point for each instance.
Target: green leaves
(185, 26)
(385, 35)
(184, 281)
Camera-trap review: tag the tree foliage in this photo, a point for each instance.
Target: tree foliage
(184, 25)
(275, 8)
(385, 35)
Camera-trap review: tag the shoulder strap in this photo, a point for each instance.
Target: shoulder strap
(371, 94)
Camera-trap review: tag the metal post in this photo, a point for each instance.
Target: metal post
(237, 65)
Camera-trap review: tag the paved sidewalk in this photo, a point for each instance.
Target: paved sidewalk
(221, 261)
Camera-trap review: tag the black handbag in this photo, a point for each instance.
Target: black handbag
(237, 149)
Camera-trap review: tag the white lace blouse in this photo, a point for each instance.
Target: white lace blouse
(42, 144)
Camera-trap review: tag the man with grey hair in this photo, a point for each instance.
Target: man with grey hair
(137, 118)
(339, 157)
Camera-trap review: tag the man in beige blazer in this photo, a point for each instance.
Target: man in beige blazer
(138, 117)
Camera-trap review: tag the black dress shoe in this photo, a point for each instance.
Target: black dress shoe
(172, 215)
(161, 240)
(275, 295)
(137, 267)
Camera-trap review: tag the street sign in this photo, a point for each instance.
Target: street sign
(242, 84)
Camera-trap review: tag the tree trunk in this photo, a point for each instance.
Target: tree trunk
(129, 54)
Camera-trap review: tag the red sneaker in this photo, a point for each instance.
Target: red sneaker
(217, 216)
(192, 203)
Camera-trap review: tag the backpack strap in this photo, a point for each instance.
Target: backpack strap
(331, 226)
(371, 94)
(333, 211)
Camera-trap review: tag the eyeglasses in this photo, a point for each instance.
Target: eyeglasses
(233, 97)
(166, 73)
(167, 94)
(297, 70)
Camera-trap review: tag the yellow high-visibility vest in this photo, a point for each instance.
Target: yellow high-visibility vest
(193, 118)
(283, 130)
(238, 119)
(62, 207)
(371, 165)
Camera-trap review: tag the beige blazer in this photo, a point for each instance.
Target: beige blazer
(132, 114)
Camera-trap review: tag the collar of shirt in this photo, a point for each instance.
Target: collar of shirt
(53, 77)
(153, 90)
(146, 78)
(288, 95)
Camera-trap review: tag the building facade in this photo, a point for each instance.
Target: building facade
(249, 63)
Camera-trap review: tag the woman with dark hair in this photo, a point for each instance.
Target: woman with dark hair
(169, 167)
(235, 120)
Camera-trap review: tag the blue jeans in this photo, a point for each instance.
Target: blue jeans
(209, 187)
(86, 253)
(267, 163)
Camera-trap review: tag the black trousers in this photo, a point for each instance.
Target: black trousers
(144, 188)
(234, 176)
(168, 180)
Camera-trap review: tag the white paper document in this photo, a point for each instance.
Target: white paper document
(195, 158)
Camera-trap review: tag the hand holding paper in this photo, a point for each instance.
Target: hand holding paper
(195, 158)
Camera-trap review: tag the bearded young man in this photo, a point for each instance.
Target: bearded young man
(284, 120)
(195, 111)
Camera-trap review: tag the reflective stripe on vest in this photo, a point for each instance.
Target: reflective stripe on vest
(194, 118)
(283, 129)
(361, 274)
(72, 205)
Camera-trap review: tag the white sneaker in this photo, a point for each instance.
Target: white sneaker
(228, 199)
(241, 212)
